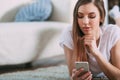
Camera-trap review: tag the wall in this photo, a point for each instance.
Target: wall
(9, 8)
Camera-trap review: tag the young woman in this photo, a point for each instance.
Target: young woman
(89, 40)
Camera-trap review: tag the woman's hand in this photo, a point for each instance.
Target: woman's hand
(90, 44)
(76, 75)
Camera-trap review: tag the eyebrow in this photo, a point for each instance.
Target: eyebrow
(89, 13)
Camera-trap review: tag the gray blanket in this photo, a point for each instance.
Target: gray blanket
(50, 73)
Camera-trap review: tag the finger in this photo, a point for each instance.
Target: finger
(85, 76)
(87, 43)
(89, 37)
(79, 71)
(73, 73)
(89, 40)
(81, 38)
(89, 77)
(74, 70)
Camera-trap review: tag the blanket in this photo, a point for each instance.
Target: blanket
(49, 73)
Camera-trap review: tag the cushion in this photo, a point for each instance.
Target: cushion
(39, 10)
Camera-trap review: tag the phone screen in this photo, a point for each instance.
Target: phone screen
(84, 65)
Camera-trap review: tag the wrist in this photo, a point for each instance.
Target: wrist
(96, 53)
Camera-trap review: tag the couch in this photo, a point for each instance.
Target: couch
(24, 42)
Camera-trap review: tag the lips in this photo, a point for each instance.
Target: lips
(86, 28)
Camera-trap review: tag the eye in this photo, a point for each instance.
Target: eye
(80, 15)
(92, 16)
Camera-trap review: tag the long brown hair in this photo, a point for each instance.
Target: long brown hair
(79, 49)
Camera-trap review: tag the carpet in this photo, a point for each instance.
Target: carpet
(49, 73)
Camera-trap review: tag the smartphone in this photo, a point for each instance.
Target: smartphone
(84, 65)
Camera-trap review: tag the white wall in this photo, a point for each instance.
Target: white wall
(73, 2)
(6, 6)
(106, 8)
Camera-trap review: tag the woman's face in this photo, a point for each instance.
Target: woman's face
(89, 19)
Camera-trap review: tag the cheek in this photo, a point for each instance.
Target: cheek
(95, 22)
(80, 22)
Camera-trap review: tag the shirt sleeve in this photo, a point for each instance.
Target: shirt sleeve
(66, 38)
(115, 35)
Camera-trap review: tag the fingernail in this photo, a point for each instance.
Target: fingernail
(89, 72)
(82, 69)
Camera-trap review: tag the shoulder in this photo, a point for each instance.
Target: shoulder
(110, 29)
(111, 33)
(67, 32)
(68, 29)
(66, 37)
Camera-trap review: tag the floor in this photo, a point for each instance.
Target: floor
(52, 61)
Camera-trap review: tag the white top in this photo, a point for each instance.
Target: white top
(109, 35)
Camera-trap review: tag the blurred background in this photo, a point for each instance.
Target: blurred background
(111, 4)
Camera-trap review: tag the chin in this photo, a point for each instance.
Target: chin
(88, 33)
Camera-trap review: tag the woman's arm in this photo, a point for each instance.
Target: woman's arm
(74, 74)
(69, 59)
(111, 70)
(115, 59)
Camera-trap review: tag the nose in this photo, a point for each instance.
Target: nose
(85, 20)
